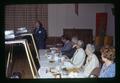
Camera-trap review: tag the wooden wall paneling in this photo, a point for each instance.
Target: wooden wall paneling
(83, 34)
(53, 40)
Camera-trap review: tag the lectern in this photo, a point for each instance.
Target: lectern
(19, 61)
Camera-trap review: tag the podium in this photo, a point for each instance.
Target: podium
(19, 57)
(32, 44)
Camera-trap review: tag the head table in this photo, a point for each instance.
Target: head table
(52, 66)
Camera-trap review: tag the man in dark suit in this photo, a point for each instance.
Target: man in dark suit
(70, 53)
(67, 45)
(40, 35)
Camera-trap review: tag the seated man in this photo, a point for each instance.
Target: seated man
(67, 45)
(74, 41)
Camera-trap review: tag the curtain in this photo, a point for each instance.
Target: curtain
(101, 24)
(24, 15)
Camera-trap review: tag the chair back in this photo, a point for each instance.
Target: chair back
(95, 72)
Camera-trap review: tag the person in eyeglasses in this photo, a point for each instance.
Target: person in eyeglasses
(92, 61)
(78, 57)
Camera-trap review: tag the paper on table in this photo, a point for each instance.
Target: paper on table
(44, 73)
(56, 58)
(76, 75)
(49, 57)
(68, 65)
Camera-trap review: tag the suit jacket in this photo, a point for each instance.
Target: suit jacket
(40, 37)
(66, 48)
(70, 53)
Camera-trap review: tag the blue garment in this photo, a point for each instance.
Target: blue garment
(40, 37)
(107, 72)
(70, 53)
(67, 47)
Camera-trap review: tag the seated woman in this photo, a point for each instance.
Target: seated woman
(79, 56)
(91, 61)
(108, 68)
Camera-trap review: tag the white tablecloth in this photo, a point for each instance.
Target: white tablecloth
(44, 70)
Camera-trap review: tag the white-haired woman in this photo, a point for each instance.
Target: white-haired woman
(91, 61)
(74, 40)
(78, 58)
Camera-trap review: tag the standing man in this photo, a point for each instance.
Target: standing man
(40, 35)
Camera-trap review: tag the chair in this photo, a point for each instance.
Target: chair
(99, 40)
(95, 73)
(108, 40)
